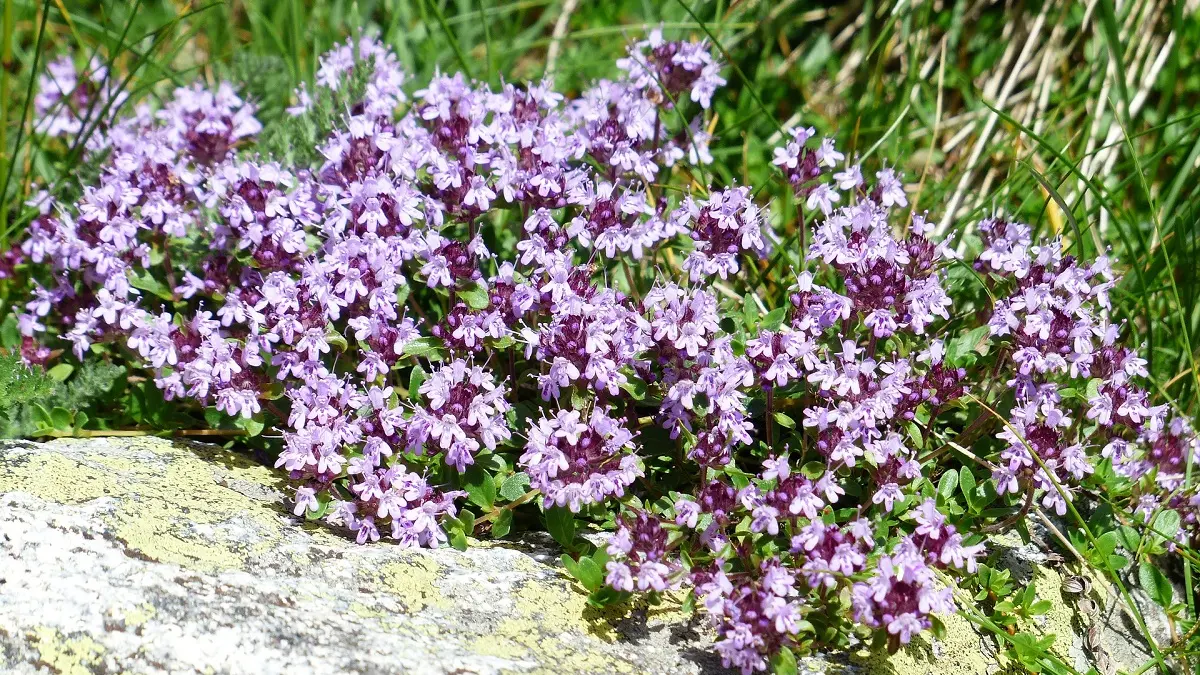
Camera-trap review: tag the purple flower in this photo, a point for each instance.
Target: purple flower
(575, 462)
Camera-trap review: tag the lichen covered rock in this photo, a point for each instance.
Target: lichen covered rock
(142, 555)
(150, 556)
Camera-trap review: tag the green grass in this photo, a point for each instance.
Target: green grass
(1084, 123)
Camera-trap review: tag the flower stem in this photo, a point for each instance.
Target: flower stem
(770, 415)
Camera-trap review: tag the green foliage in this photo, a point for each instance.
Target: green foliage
(296, 140)
(58, 401)
(1032, 652)
(20, 386)
(1156, 584)
(560, 523)
(1008, 603)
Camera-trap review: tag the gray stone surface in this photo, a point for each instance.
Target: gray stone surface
(148, 556)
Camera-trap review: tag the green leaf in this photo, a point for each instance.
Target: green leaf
(213, 417)
(324, 499)
(1040, 607)
(1107, 542)
(458, 539)
(749, 311)
(774, 319)
(336, 340)
(143, 280)
(60, 419)
(514, 486)
(600, 557)
(818, 56)
(1130, 538)
(635, 387)
(426, 347)
(1166, 524)
(689, 604)
(569, 563)
(966, 482)
(468, 521)
(480, 487)
(10, 333)
(1156, 584)
(985, 494)
(969, 342)
(947, 484)
(415, 379)
(475, 295)
(402, 293)
(813, 470)
(61, 372)
(590, 574)
(915, 435)
(253, 426)
(560, 523)
(607, 596)
(784, 662)
(785, 421)
(503, 524)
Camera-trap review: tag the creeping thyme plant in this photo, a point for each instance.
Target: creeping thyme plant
(484, 310)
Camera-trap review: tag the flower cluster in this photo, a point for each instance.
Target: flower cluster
(481, 292)
(465, 413)
(1077, 388)
(640, 557)
(723, 226)
(573, 463)
(755, 616)
(68, 101)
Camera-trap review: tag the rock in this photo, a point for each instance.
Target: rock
(149, 556)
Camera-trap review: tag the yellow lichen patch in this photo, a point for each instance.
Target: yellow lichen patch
(559, 606)
(162, 500)
(359, 609)
(154, 522)
(66, 656)
(147, 527)
(960, 648)
(413, 582)
(559, 652)
(498, 646)
(140, 615)
(1048, 583)
(55, 478)
(670, 611)
(548, 627)
(956, 653)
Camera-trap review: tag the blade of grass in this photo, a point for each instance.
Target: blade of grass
(1112, 39)
(458, 52)
(6, 67)
(487, 41)
(11, 166)
(749, 86)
